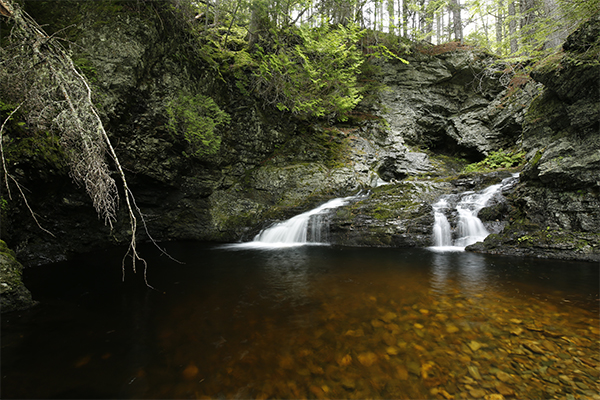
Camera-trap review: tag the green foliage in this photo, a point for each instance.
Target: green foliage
(496, 160)
(525, 239)
(316, 77)
(196, 118)
(530, 31)
(382, 51)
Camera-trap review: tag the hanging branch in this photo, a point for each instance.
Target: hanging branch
(59, 96)
(7, 175)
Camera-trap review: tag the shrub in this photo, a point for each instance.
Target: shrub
(196, 118)
(495, 160)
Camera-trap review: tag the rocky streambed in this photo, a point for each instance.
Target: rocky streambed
(396, 336)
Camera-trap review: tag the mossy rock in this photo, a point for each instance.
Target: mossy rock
(13, 294)
(530, 241)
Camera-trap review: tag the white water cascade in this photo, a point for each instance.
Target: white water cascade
(442, 233)
(469, 227)
(295, 231)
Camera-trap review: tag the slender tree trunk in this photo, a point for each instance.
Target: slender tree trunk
(375, 16)
(486, 32)
(216, 8)
(512, 27)
(527, 13)
(500, 22)
(258, 21)
(454, 6)
(405, 17)
(439, 27)
(381, 16)
(391, 16)
(428, 22)
(558, 35)
(528, 17)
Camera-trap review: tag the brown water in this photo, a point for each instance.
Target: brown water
(307, 322)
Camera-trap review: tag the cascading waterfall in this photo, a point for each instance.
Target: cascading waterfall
(295, 231)
(469, 228)
(442, 233)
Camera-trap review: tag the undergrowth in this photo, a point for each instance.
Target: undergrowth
(497, 160)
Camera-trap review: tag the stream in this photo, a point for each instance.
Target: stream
(311, 321)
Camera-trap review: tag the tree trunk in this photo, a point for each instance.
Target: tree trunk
(512, 27)
(454, 7)
(558, 35)
(391, 16)
(259, 21)
(527, 13)
(439, 28)
(528, 18)
(405, 17)
(428, 22)
(500, 22)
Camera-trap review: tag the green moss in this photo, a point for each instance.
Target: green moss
(10, 269)
(41, 149)
(393, 209)
(549, 64)
(196, 119)
(536, 159)
(546, 116)
(5, 250)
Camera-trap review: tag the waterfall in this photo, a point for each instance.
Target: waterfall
(304, 228)
(442, 235)
(469, 228)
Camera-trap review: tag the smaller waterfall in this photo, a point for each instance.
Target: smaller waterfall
(469, 228)
(442, 234)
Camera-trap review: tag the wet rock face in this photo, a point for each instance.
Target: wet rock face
(548, 223)
(395, 215)
(449, 104)
(556, 209)
(562, 125)
(271, 167)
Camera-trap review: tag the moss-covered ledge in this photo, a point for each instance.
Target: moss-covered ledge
(14, 295)
(527, 240)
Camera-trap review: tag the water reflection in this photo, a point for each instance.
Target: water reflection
(470, 272)
(474, 274)
(286, 272)
(440, 271)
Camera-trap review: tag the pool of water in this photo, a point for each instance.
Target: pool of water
(306, 322)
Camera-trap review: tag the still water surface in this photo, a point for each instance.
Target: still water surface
(306, 322)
